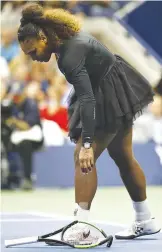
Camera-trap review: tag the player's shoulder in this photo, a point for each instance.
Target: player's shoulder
(79, 43)
(74, 50)
(82, 38)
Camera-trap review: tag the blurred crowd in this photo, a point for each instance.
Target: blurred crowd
(34, 96)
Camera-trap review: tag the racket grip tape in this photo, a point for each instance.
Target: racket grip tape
(21, 241)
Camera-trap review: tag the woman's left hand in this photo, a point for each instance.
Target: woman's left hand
(86, 159)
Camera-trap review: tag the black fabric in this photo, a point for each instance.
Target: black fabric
(83, 60)
(108, 91)
(122, 95)
(126, 94)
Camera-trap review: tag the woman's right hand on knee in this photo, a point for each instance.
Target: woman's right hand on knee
(86, 159)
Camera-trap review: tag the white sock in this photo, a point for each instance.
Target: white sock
(142, 211)
(81, 214)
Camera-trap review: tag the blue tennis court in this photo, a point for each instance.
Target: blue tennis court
(23, 225)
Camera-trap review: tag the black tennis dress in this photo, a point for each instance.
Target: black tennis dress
(107, 90)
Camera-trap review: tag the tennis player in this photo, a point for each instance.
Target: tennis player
(109, 95)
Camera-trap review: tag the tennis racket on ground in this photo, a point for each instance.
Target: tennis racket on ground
(96, 237)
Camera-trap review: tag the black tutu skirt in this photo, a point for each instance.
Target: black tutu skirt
(121, 96)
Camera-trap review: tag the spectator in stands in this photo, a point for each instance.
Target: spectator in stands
(88, 8)
(149, 125)
(10, 12)
(4, 76)
(156, 109)
(26, 134)
(53, 111)
(10, 47)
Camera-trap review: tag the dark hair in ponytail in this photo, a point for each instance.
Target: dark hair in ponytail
(57, 24)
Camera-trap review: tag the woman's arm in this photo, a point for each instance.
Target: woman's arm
(76, 74)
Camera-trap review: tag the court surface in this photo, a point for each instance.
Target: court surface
(41, 211)
(22, 225)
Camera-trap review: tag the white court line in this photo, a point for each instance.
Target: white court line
(14, 213)
(57, 218)
(71, 218)
(32, 213)
(27, 220)
(54, 217)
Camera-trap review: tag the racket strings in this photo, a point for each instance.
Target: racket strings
(81, 234)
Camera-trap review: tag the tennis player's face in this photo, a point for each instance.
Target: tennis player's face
(37, 49)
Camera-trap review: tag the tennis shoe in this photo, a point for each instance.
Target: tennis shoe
(139, 229)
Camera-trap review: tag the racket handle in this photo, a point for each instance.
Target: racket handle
(21, 241)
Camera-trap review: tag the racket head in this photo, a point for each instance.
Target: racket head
(89, 242)
(93, 228)
(95, 236)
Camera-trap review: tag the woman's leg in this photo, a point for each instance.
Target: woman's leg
(120, 149)
(86, 185)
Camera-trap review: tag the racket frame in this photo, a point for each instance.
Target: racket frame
(108, 239)
(54, 242)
